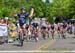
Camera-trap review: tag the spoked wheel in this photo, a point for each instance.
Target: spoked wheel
(63, 35)
(47, 34)
(43, 35)
(70, 32)
(74, 33)
(25, 37)
(21, 38)
(52, 34)
(36, 37)
(59, 34)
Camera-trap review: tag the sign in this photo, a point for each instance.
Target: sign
(3, 30)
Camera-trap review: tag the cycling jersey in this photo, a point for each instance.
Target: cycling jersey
(44, 24)
(64, 26)
(35, 25)
(22, 18)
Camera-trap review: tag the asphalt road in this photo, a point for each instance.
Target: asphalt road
(58, 44)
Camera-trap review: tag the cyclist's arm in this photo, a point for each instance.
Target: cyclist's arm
(31, 13)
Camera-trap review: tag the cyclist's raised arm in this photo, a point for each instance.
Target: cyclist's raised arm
(31, 12)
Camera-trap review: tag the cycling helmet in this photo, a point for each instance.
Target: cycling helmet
(23, 8)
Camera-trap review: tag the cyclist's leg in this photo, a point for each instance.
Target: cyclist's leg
(25, 32)
(74, 30)
(63, 33)
(21, 37)
(47, 32)
(52, 34)
(59, 33)
(35, 34)
(28, 32)
(44, 33)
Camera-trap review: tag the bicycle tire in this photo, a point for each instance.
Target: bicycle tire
(21, 39)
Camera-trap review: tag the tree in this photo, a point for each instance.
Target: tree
(58, 8)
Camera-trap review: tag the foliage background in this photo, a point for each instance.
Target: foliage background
(58, 8)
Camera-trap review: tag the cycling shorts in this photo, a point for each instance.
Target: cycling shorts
(43, 27)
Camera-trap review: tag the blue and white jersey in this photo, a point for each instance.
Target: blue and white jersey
(22, 18)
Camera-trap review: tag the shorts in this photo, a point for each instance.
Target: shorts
(48, 29)
(58, 29)
(22, 26)
(27, 26)
(35, 27)
(43, 27)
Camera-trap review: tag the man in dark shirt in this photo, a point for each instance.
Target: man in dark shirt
(23, 16)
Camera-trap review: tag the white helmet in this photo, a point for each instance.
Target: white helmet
(6, 18)
(43, 18)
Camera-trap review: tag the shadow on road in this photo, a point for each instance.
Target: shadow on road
(18, 45)
(1, 42)
(72, 43)
(73, 37)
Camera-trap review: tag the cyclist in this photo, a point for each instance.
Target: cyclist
(59, 30)
(35, 30)
(23, 16)
(52, 31)
(64, 30)
(48, 28)
(70, 28)
(73, 28)
(55, 27)
(43, 28)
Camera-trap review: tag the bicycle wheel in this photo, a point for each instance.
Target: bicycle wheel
(21, 38)
(43, 35)
(63, 35)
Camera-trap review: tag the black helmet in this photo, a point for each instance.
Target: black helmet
(23, 8)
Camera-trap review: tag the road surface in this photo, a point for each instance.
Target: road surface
(57, 44)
